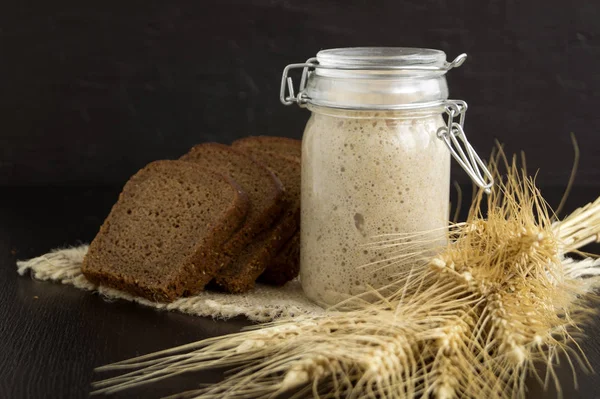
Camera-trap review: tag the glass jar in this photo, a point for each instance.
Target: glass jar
(375, 161)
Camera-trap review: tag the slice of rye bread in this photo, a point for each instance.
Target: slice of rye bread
(266, 195)
(278, 145)
(242, 274)
(286, 264)
(288, 170)
(162, 238)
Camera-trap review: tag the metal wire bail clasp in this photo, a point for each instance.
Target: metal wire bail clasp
(287, 85)
(453, 134)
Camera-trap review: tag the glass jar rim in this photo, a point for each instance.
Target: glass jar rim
(369, 57)
(410, 112)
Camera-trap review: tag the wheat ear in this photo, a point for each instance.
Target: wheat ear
(472, 321)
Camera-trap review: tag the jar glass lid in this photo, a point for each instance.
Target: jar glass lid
(371, 78)
(381, 57)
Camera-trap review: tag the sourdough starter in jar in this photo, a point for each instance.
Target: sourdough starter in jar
(367, 173)
(375, 161)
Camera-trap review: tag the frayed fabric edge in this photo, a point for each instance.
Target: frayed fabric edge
(262, 304)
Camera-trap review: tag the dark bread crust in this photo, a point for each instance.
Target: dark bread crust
(277, 145)
(265, 191)
(251, 246)
(242, 274)
(287, 167)
(263, 250)
(286, 264)
(163, 237)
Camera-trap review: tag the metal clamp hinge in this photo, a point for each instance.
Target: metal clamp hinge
(454, 136)
(286, 93)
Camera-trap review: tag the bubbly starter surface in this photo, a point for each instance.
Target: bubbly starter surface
(361, 177)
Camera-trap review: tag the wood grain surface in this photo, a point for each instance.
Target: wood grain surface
(52, 336)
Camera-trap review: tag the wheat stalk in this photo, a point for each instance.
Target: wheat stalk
(580, 228)
(471, 322)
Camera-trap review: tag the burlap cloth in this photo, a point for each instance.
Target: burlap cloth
(263, 303)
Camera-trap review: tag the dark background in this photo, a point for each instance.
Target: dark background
(92, 91)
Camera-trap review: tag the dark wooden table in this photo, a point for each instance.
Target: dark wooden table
(52, 336)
